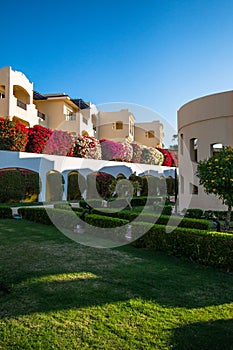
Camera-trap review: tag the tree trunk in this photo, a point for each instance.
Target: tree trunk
(228, 218)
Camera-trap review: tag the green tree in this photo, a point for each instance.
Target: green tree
(216, 176)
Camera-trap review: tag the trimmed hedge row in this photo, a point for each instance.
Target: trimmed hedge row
(5, 212)
(207, 214)
(155, 218)
(120, 202)
(67, 219)
(208, 248)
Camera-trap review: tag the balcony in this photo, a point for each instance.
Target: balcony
(41, 115)
(21, 104)
(70, 117)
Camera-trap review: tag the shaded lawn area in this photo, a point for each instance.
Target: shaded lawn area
(57, 294)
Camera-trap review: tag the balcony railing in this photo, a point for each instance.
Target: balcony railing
(21, 104)
(41, 115)
(70, 117)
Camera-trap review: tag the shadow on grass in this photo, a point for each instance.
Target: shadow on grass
(44, 272)
(214, 335)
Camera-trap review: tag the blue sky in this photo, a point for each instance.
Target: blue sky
(156, 53)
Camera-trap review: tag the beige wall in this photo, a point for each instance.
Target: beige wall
(142, 133)
(17, 86)
(210, 120)
(107, 125)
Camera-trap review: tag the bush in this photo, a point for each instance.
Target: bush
(104, 221)
(158, 219)
(194, 213)
(37, 138)
(163, 209)
(209, 248)
(12, 186)
(76, 186)
(5, 212)
(13, 135)
(60, 143)
(55, 182)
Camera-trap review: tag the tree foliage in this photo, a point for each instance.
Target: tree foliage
(216, 176)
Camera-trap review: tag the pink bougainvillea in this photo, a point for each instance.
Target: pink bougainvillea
(111, 150)
(87, 147)
(60, 143)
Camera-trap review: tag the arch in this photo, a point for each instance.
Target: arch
(76, 185)
(19, 184)
(54, 186)
(100, 184)
(21, 94)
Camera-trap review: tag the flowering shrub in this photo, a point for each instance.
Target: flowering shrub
(127, 152)
(37, 138)
(59, 143)
(151, 155)
(167, 157)
(87, 147)
(174, 158)
(100, 184)
(137, 153)
(111, 150)
(13, 135)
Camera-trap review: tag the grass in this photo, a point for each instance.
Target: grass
(56, 294)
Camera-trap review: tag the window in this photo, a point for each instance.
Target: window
(85, 121)
(181, 144)
(193, 149)
(150, 134)
(181, 184)
(119, 125)
(2, 91)
(131, 127)
(70, 115)
(215, 147)
(193, 189)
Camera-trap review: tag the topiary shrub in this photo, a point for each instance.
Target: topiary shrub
(55, 182)
(76, 186)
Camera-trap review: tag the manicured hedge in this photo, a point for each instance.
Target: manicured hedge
(158, 219)
(67, 219)
(194, 213)
(208, 248)
(207, 214)
(104, 221)
(121, 202)
(5, 212)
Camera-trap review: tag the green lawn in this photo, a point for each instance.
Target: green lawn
(56, 294)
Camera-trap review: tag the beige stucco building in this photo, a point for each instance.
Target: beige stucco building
(121, 125)
(204, 126)
(18, 100)
(149, 133)
(116, 126)
(16, 97)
